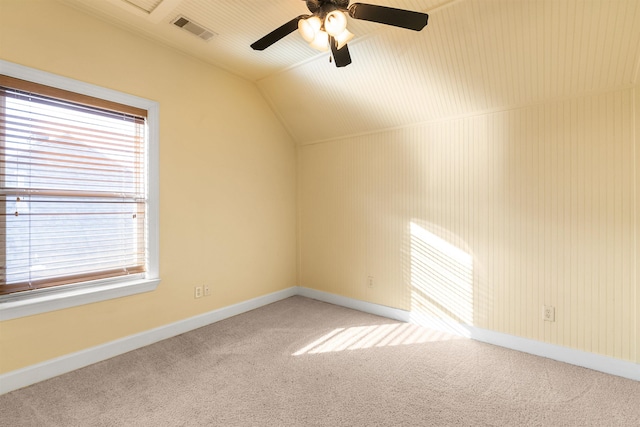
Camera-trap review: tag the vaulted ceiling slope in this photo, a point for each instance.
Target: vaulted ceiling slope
(473, 56)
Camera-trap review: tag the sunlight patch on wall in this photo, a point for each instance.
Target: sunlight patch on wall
(373, 336)
(441, 283)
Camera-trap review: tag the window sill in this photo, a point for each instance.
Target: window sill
(72, 297)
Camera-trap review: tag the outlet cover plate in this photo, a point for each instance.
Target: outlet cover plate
(549, 313)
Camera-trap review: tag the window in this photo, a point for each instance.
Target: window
(76, 208)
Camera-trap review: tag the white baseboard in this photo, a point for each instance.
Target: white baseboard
(51, 368)
(597, 362)
(356, 304)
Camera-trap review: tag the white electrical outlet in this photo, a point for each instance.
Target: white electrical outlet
(197, 291)
(370, 282)
(549, 313)
(207, 290)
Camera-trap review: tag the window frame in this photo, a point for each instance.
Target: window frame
(43, 300)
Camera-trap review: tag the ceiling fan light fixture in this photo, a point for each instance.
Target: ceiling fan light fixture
(309, 28)
(326, 27)
(320, 42)
(343, 38)
(335, 23)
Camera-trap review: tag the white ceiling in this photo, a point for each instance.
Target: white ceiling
(473, 56)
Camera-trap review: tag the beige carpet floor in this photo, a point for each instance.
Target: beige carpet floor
(301, 362)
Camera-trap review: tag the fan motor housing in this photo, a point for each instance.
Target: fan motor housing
(314, 5)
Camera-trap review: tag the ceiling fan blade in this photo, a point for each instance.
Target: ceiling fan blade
(278, 33)
(388, 15)
(341, 57)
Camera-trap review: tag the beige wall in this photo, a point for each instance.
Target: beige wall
(481, 219)
(637, 214)
(484, 219)
(227, 179)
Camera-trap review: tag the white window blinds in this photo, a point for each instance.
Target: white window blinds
(72, 187)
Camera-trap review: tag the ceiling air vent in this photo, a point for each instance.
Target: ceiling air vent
(193, 28)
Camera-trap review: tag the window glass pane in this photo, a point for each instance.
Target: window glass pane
(49, 146)
(57, 238)
(73, 192)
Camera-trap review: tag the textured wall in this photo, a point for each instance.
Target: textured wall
(475, 55)
(484, 219)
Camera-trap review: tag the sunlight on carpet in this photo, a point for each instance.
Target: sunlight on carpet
(362, 337)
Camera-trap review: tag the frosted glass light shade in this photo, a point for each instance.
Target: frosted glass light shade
(308, 28)
(321, 42)
(335, 22)
(343, 38)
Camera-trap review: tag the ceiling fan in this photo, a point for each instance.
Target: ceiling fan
(326, 27)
